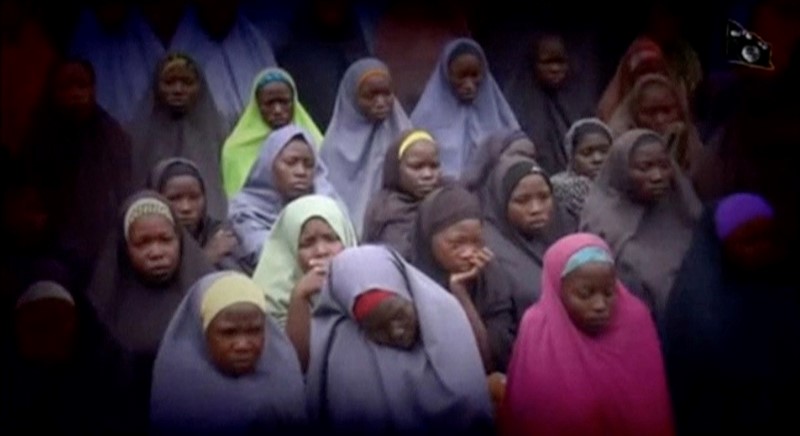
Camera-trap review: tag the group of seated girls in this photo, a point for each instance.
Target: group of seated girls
(386, 279)
(388, 348)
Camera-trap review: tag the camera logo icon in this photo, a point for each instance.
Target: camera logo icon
(743, 47)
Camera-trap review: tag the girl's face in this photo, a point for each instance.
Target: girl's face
(178, 87)
(455, 247)
(154, 248)
(276, 104)
(530, 205)
(317, 241)
(657, 108)
(589, 296)
(235, 339)
(465, 74)
(293, 170)
(650, 172)
(590, 153)
(375, 98)
(551, 62)
(420, 171)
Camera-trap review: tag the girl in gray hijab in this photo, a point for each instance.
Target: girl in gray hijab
(522, 220)
(225, 366)
(178, 118)
(287, 168)
(411, 371)
(366, 120)
(586, 145)
(645, 208)
(462, 104)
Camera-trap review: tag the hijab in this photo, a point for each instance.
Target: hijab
(562, 381)
(391, 212)
(488, 156)
(356, 385)
(196, 135)
(731, 337)
(191, 395)
(460, 128)
(569, 187)
(519, 256)
(165, 170)
(644, 56)
(124, 58)
(354, 147)
(490, 291)
(83, 172)
(278, 270)
(545, 114)
(136, 314)
(242, 147)
(649, 242)
(229, 63)
(254, 210)
(688, 152)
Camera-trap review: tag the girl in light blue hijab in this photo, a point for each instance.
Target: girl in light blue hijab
(462, 104)
(366, 120)
(287, 168)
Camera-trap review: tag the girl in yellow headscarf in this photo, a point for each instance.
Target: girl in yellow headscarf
(273, 104)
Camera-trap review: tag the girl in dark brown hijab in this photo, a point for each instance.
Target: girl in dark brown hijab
(449, 247)
(78, 159)
(145, 269)
(522, 220)
(645, 208)
(411, 171)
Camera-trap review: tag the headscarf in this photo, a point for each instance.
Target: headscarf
(687, 154)
(644, 56)
(82, 171)
(488, 156)
(166, 169)
(253, 211)
(391, 211)
(190, 395)
(124, 59)
(242, 147)
(354, 147)
(333, 45)
(230, 63)
(731, 339)
(357, 385)
(460, 128)
(197, 135)
(562, 381)
(278, 270)
(519, 256)
(569, 187)
(648, 241)
(134, 313)
(490, 291)
(545, 115)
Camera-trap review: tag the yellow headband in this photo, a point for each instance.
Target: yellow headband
(228, 290)
(174, 62)
(369, 73)
(412, 138)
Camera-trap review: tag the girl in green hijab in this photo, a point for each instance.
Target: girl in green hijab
(273, 104)
(309, 232)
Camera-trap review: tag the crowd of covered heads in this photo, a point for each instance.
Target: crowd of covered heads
(235, 217)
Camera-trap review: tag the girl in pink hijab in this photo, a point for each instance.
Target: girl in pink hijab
(587, 360)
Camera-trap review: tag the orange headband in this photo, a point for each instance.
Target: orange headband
(369, 73)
